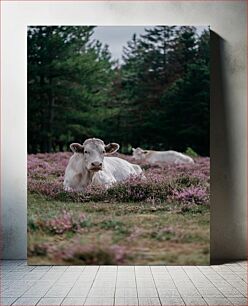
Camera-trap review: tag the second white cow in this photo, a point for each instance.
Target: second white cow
(153, 157)
(89, 165)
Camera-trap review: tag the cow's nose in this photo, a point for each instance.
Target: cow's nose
(96, 164)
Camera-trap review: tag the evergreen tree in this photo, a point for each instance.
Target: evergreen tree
(68, 78)
(155, 64)
(158, 98)
(186, 111)
(203, 51)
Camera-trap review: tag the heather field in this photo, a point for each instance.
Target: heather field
(163, 219)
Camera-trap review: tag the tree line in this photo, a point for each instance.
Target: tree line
(157, 98)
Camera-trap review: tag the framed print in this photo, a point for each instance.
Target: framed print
(118, 145)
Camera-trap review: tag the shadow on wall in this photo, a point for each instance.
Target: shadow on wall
(225, 233)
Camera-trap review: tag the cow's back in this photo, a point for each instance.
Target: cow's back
(168, 156)
(119, 168)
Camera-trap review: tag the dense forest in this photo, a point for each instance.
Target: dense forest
(156, 98)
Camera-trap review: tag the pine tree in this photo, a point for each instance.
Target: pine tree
(157, 98)
(68, 78)
(157, 65)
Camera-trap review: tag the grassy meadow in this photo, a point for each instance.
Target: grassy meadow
(161, 220)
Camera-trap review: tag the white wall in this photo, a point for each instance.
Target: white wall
(228, 104)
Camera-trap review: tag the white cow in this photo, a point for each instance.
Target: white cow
(89, 165)
(161, 156)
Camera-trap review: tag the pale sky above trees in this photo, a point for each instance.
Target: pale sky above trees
(117, 36)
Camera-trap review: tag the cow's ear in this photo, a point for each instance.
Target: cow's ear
(133, 149)
(77, 148)
(112, 147)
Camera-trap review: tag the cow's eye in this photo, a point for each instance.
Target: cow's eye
(103, 152)
(86, 152)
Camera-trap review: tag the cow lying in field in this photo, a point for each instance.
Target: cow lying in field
(161, 156)
(90, 165)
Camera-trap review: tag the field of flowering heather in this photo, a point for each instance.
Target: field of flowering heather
(161, 220)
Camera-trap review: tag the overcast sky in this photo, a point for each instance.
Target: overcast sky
(117, 36)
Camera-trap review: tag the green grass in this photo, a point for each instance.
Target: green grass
(161, 233)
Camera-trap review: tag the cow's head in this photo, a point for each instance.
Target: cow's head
(139, 153)
(92, 152)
